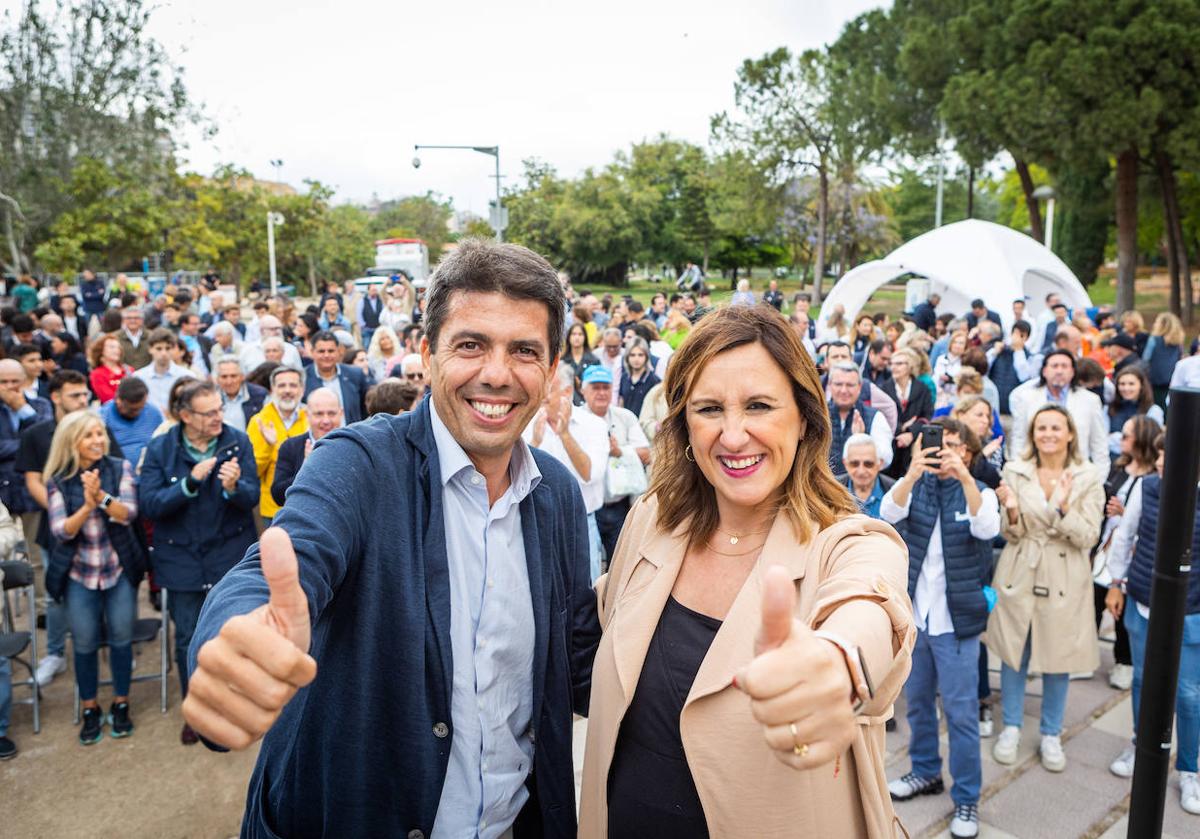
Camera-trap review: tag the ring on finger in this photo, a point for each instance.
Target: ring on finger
(798, 749)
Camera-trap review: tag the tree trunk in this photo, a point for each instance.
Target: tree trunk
(705, 266)
(1181, 276)
(1126, 206)
(13, 250)
(822, 230)
(1031, 204)
(970, 192)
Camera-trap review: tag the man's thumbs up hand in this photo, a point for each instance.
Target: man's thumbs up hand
(247, 674)
(798, 684)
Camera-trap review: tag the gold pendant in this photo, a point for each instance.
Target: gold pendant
(733, 540)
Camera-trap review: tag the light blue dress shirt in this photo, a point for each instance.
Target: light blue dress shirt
(491, 642)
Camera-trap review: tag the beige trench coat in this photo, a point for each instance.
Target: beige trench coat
(744, 789)
(1049, 553)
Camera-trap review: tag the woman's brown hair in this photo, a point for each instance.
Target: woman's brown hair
(811, 495)
(96, 350)
(1145, 390)
(1143, 437)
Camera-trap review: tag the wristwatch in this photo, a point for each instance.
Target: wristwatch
(105, 501)
(860, 678)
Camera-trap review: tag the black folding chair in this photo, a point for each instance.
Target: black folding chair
(18, 577)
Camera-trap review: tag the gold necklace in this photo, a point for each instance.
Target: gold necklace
(709, 545)
(734, 539)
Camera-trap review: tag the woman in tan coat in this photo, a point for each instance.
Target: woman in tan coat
(757, 630)
(1043, 621)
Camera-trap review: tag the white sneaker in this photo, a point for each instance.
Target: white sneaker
(1121, 676)
(49, 667)
(1122, 765)
(1051, 752)
(1083, 676)
(1189, 792)
(1006, 746)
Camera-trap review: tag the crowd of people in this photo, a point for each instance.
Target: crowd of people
(156, 436)
(1017, 457)
(1013, 455)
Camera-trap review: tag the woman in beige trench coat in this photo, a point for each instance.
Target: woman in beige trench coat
(1043, 620)
(756, 629)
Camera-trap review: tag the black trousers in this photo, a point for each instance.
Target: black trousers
(609, 520)
(1121, 653)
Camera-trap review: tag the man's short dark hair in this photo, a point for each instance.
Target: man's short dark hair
(132, 390)
(829, 344)
(477, 265)
(22, 323)
(21, 350)
(186, 318)
(65, 376)
(1023, 327)
(391, 396)
(634, 307)
(978, 303)
(162, 335)
(802, 295)
(944, 318)
(675, 298)
(324, 335)
(877, 346)
(1059, 305)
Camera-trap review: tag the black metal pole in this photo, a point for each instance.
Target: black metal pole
(1168, 599)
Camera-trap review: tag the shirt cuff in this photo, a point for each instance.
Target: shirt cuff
(187, 491)
(26, 412)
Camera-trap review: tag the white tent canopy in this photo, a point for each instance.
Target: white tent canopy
(964, 261)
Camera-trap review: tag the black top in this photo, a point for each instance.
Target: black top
(650, 788)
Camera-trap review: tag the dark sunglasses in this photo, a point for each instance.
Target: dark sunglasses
(856, 464)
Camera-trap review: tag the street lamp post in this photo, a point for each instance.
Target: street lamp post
(277, 165)
(498, 219)
(1046, 193)
(272, 220)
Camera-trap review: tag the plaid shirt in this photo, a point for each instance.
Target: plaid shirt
(96, 565)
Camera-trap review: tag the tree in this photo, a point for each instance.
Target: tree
(1085, 202)
(423, 217)
(787, 121)
(84, 81)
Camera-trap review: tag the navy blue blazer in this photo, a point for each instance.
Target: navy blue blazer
(354, 389)
(363, 750)
(287, 465)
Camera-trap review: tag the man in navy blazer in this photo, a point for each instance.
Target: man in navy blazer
(345, 379)
(324, 415)
(414, 634)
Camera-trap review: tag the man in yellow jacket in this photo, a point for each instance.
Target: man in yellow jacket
(281, 418)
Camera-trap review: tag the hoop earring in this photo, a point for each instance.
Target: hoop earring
(687, 453)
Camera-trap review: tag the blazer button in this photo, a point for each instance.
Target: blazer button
(416, 834)
(440, 730)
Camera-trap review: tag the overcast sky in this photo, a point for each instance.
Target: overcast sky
(341, 91)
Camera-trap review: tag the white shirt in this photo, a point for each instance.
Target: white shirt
(591, 433)
(1187, 372)
(1120, 552)
(623, 425)
(1085, 408)
(491, 643)
(160, 384)
(252, 355)
(930, 606)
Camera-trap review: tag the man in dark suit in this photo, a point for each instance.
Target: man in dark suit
(980, 312)
(374, 570)
(346, 381)
(324, 414)
(924, 315)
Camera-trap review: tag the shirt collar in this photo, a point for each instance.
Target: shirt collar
(523, 473)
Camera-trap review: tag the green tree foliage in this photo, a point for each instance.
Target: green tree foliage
(80, 80)
(1085, 196)
(422, 217)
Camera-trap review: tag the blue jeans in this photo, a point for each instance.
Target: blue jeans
(5, 694)
(185, 612)
(1187, 695)
(56, 614)
(947, 665)
(1054, 695)
(118, 607)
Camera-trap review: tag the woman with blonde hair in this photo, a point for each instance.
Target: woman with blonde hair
(384, 352)
(1162, 353)
(835, 328)
(1134, 325)
(744, 608)
(677, 328)
(1053, 503)
(96, 563)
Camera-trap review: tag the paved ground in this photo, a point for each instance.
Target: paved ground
(151, 786)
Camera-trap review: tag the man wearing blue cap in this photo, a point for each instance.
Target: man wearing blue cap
(628, 450)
